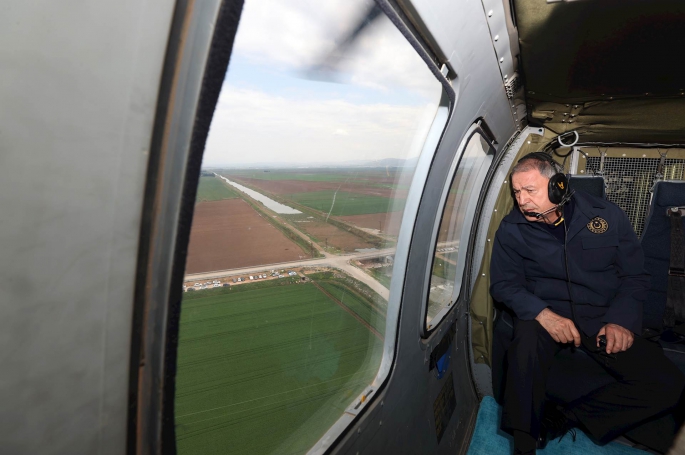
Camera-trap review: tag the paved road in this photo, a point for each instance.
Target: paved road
(339, 262)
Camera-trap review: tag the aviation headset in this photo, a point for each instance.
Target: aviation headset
(557, 189)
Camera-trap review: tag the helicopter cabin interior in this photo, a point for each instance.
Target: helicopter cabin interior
(266, 226)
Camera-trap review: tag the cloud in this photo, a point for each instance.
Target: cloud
(295, 35)
(251, 126)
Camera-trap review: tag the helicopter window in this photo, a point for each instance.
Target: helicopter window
(453, 233)
(309, 160)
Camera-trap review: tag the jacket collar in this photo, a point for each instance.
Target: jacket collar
(586, 208)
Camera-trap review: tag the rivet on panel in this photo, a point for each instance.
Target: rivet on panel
(582, 171)
(380, 422)
(483, 274)
(575, 106)
(568, 105)
(490, 13)
(529, 142)
(495, 210)
(496, 37)
(623, 154)
(488, 240)
(644, 155)
(501, 60)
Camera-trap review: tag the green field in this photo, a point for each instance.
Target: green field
(213, 189)
(382, 275)
(361, 306)
(345, 203)
(267, 368)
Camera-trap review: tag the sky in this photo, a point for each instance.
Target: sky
(377, 103)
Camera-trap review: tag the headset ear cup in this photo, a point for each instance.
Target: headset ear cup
(557, 188)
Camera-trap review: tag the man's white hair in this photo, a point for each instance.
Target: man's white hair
(544, 167)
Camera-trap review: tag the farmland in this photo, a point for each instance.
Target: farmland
(268, 367)
(328, 235)
(213, 189)
(343, 203)
(230, 234)
(382, 274)
(343, 209)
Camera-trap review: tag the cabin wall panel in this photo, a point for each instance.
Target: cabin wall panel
(79, 91)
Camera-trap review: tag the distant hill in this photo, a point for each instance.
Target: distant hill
(385, 162)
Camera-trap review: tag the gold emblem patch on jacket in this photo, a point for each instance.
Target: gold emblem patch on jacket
(598, 225)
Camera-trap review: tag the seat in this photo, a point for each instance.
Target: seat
(591, 184)
(656, 244)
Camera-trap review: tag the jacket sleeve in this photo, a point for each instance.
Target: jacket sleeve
(508, 281)
(625, 309)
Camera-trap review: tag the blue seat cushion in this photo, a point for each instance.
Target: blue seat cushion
(590, 184)
(656, 244)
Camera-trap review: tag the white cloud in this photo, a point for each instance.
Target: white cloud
(297, 34)
(255, 126)
(251, 126)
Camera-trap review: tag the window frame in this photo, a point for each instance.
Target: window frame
(457, 294)
(191, 81)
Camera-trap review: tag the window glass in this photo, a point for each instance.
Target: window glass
(308, 164)
(455, 228)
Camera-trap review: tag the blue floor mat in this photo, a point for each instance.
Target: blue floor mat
(488, 439)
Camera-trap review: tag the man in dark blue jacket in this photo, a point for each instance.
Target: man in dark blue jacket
(573, 276)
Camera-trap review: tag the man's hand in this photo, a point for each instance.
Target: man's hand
(562, 330)
(618, 338)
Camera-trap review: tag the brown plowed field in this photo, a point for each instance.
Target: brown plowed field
(230, 234)
(389, 222)
(337, 237)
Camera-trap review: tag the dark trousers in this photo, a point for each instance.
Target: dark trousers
(647, 384)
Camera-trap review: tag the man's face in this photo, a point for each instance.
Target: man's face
(530, 191)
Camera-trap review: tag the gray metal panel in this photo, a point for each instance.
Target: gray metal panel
(78, 99)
